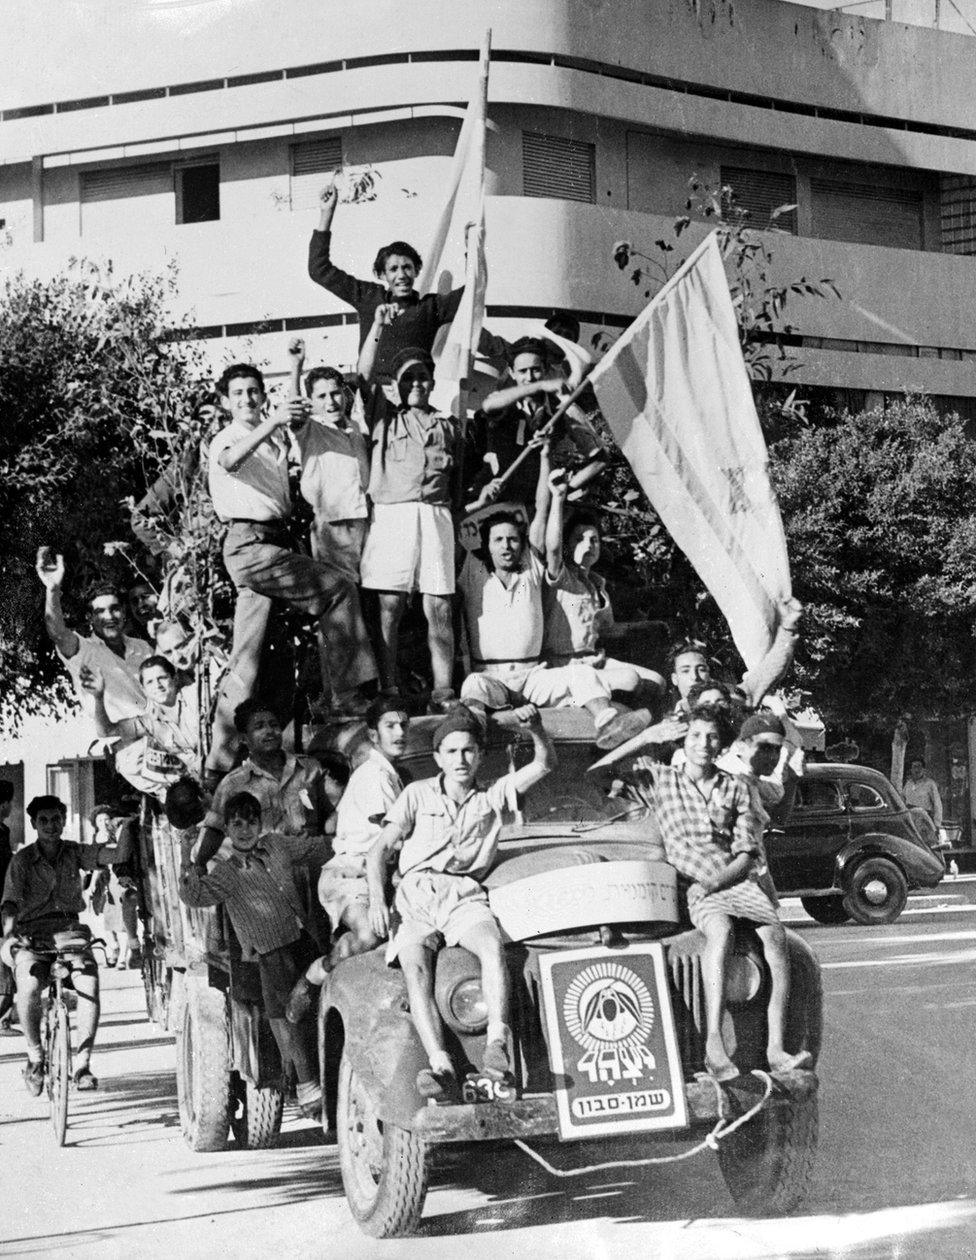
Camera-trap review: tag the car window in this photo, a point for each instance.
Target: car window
(861, 796)
(819, 794)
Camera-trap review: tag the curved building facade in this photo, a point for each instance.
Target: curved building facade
(202, 133)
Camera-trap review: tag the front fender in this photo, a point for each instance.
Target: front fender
(368, 1000)
(921, 867)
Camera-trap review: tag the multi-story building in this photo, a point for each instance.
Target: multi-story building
(202, 133)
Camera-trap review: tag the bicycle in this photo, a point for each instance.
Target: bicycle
(56, 1030)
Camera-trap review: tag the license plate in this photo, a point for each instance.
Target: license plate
(612, 1045)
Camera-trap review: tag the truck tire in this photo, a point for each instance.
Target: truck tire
(384, 1167)
(255, 1114)
(876, 893)
(203, 1067)
(767, 1164)
(827, 910)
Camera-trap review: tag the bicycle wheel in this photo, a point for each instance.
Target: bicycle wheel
(58, 1067)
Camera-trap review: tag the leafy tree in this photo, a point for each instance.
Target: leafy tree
(92, 391)
(880, 514)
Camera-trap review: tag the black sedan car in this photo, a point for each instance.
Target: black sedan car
(851, 848)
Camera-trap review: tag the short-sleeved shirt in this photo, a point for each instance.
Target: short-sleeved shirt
(506, 434)
(371, 791)
(413, 457)
(259, 889)
(293, 804)
(44, 891)
(335, 471)
(162, 743)
(703, 824)
(578, 611)
(505, 623)
(124, 696)
(257, 490)
(441, 835)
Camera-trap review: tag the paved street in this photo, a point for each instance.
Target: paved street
(894, 1178)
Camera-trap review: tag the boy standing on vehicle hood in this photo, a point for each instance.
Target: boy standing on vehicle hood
(447, 829)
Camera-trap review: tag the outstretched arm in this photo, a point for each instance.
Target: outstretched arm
(323, 270)
(764, 676)
(544, 754)
(559, 488)
(502, 398)
(233, 456)
(93, 681)
(543, 494)
(50, 569)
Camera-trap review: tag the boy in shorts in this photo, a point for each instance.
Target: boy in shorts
(447, 829)
(258, 885)
(369, 795)
(712, 832)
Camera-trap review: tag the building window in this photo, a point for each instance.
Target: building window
(312, 162)
(121, 199)
(553, 166)
(759, 193)
(957, 212)
(867, 214)
(198, 192)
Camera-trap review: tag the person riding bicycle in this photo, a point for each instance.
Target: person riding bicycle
(42, 900)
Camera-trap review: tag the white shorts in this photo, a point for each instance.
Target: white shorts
(432, 902)
(410, 547)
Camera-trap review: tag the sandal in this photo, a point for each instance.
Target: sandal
(85, 1080)
(721, 1072)
(440, 1087)
(790, 1062)
(496, 1063)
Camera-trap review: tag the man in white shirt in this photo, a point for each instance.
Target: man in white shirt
(920, 791)
(249, 486)
(503, 607)
(108, 649)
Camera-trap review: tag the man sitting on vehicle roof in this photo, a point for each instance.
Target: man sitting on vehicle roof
(289, 788)
(258, 886)
(42, 899)
(503, 607)
(447, 831)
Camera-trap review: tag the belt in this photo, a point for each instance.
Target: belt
(509, 660)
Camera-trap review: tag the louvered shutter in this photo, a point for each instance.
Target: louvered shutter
(553, 166)
(121, 199)
(866, 214)
(760, 193)
(311, 163)
(957, 206)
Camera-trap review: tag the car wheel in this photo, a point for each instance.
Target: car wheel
(828, 910)
(767, 1164)
(203, 1068)
(384, 1167)
(877, 892)
(255, 1114)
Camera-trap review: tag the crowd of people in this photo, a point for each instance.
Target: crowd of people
(340, 502)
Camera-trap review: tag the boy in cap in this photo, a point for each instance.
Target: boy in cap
(447, 830)
(343, 891)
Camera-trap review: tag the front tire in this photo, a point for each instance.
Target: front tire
(384, 1167)
(255, 1114)
(826, 910)
(877, 892)
(203, 1068)
(59, 1070)
(767, 1164)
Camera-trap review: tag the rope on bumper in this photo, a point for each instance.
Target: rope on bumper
(711, 1141)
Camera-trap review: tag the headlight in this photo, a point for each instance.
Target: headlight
(467, 1007)
(743, 978)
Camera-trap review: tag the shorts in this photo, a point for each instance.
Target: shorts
(343, 884)
(31, 961)
(431, 903)
(410, 547)
(745, 900)
(280, 968)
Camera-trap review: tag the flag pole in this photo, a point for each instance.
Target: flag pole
(464, 383)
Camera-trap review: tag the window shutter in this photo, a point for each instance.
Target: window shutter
(957, 205)
(553, 166)
(117, 182)
(867, 214)
(311, 162)
(760, 193)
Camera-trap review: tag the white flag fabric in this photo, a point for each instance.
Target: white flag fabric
(676, 395)
(456, 252)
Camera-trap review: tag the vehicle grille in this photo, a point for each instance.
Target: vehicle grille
(688, 1000)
